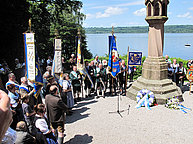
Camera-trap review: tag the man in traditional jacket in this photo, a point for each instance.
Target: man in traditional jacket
(87, 87)
(76, 77)
(100, 74)
(122, 77)
(180, 74)
(93, 68)
(55, 111)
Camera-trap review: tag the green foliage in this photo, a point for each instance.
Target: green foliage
(140, 29)
(60, 15)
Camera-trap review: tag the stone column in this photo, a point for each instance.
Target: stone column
(154, 72)
(155, 67)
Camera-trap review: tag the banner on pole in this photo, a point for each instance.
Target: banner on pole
(135, 58)
(57, 56)
(79, 55)
(113, 64)
(30, 55)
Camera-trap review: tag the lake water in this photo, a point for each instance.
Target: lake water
(174, 44)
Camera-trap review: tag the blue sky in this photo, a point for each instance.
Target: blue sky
(107, 13)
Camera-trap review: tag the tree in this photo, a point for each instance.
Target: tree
(63, 16)
(46, 16)
(14, 22)
(40, 18)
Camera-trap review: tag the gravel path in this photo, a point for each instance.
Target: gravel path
(92, 123)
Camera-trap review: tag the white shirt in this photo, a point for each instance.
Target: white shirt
(181, 70)
(66, 84)
(42, 125)
(174, 66)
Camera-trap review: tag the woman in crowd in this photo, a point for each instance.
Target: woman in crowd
(44, 134)
(67, 89)
(15, 105)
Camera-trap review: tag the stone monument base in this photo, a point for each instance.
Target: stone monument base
(154, 78)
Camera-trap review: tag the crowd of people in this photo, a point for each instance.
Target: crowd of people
(177, 71)
(41, 120)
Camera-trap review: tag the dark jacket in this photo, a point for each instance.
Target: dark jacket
(75, 80)
(102, 74)
(24, 138)
(55, 108)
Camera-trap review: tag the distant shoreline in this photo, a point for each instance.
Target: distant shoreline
(139, 29)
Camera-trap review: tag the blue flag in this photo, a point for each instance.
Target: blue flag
(113, 64)
(38, 79)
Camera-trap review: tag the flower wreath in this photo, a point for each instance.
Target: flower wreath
(143, 93)
(174, 103)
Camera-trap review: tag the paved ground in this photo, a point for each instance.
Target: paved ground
(92, 123)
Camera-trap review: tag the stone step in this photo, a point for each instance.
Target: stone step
(162, 89)
(157, 90)
(160, 98)
(154, 83)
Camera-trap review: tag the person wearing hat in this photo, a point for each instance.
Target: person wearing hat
(23, 137)
(50, 81)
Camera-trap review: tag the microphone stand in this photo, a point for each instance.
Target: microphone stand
(118, 106)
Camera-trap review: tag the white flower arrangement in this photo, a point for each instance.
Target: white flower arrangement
(144, 92)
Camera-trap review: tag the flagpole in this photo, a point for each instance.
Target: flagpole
(118, 98)
(29, 25)
(81, 61)
(126, 76)
(112, 62)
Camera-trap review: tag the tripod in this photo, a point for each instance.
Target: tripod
(118, 107)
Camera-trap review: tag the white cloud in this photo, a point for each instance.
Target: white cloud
(109, 12)
(141, 12)
(186, 15)
(191, 8)
(89, 16)
(140, 2)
